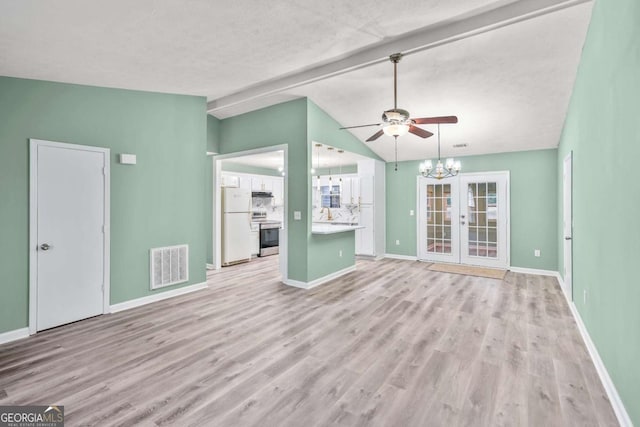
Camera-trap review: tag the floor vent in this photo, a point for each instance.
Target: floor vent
(169, 266)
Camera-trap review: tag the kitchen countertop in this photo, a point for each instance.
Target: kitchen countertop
(331, 228)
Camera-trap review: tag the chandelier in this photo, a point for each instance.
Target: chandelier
(451, 167)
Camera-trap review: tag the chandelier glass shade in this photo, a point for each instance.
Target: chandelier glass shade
(449, 168)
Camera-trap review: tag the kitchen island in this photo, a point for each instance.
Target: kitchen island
(332, 228)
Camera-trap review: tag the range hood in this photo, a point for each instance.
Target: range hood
(262, 194)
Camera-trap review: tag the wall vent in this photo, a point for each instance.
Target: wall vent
(169, 266)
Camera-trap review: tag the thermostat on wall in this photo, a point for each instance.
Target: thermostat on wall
(128, 159)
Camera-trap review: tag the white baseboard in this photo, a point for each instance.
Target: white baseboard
(211, 266)
(157, 297)
(535, 271)
(16, 334)
(319, 281)
(607, 382)
(405, 257)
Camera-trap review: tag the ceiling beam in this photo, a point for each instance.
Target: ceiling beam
(475, 22)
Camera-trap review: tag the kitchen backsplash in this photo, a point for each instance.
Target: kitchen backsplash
(265, 204)
(342, 214)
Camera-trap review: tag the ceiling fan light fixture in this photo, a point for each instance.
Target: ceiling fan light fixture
(396, 129)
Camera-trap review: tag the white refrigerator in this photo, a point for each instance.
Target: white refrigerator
(236, 225)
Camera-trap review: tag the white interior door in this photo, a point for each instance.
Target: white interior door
(567, 222)
(484, 219)
(68, 237)
(438, 233)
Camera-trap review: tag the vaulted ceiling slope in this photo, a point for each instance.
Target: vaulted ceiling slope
(508, 84)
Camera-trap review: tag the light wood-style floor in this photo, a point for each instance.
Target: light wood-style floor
(391, 344)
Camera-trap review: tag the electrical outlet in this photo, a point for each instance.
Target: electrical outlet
(411, 213)
(340, 253)
(584, 296)
(536, 252)
(397, 242)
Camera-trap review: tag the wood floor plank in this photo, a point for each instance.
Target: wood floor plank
(391, 343)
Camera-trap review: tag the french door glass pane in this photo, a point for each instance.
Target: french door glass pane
(482, 208)
(439, 218)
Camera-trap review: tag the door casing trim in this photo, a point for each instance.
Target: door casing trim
(33, 223)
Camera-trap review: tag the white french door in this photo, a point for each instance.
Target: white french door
(465, 219)
(438, 233)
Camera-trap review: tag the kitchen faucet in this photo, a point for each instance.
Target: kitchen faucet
(329, 217)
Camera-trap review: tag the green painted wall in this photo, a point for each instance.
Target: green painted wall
(603, 131)
(213, 134)
(336, 171)
(284, 123)
(213, 146)
(158, 202)
(533, 182)
(297, 123)
(324, 250)
(324, 129)
(235, 167)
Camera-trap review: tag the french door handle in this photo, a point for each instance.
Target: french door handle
(462, 222)
(567, 237)
(45, 247)
(462, 216)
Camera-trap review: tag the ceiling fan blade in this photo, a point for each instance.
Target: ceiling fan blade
(434, 120)
(420, 132)
(375, 135)
(361, 126)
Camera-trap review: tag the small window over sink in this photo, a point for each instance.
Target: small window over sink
(330, 196)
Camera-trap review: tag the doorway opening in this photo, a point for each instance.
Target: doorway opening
(250, 214)
(464, 219)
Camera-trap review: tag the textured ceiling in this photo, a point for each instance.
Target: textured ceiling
(510, 86)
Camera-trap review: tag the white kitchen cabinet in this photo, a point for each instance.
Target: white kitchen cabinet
(255, 242)
(245, 182)
(365, 237)
(371, 197)
(278, 191)
(345, 193)
(349, 195)
(229, 180)
(261, 184)
(367, 189)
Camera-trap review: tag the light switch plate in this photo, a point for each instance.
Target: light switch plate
(297, 215)
(128, 159)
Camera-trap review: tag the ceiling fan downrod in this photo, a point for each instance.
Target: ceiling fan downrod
(395, 58)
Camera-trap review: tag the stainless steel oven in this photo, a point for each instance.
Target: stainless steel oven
(269, 238)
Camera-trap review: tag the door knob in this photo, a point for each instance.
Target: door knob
(462, 222)
(567, 237)
(45, 246)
